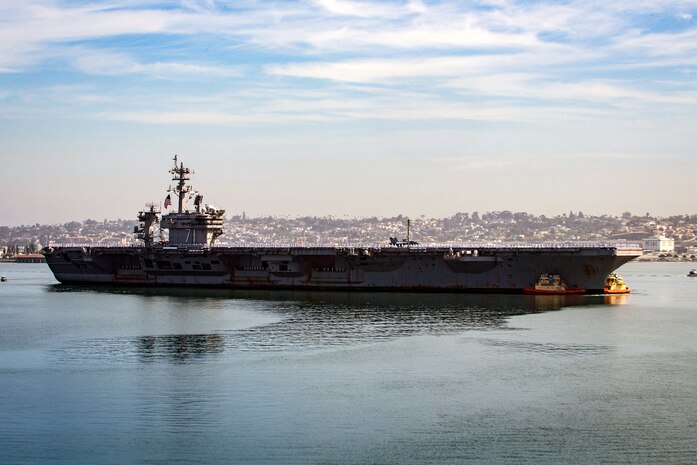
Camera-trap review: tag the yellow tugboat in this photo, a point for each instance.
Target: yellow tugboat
(551, 284)
(614, 284)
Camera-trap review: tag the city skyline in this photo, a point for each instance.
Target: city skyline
(355, 108)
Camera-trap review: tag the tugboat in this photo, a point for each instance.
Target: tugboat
(614, 284)
(692, 274)
(551, 284)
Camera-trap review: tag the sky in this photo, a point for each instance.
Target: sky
(348, 108)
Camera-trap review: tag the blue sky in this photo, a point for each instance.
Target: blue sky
(332, 107)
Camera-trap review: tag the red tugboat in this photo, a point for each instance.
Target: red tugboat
(614, 284)
(551, 284)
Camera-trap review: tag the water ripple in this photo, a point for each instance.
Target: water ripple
(549, 348)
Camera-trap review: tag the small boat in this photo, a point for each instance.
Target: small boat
(3, 278)
(692, 274)
(614, 284)
(551, 284)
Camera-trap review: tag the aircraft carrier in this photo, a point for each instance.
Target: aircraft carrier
(188, 256)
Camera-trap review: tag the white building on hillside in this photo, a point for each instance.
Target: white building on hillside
(658, 244)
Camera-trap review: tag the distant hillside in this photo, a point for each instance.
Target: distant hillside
(474, 226)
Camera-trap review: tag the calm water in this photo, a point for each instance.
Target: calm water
(96, 376)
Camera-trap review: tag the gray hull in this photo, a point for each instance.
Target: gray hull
(486, 268)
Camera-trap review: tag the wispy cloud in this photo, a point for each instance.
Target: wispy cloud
(102, 62)
(486, 60)
(541, 88)
(647, 46)
(175, 117)
(367, 9)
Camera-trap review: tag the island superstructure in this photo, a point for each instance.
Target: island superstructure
(186, 254)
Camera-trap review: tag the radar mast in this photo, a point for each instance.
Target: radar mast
(180, 174)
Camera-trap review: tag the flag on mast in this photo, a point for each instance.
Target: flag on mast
(168, 201)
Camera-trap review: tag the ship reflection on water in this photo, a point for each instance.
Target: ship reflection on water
(179, 347)
(557, 302)
(616, 299)
(308, 320)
